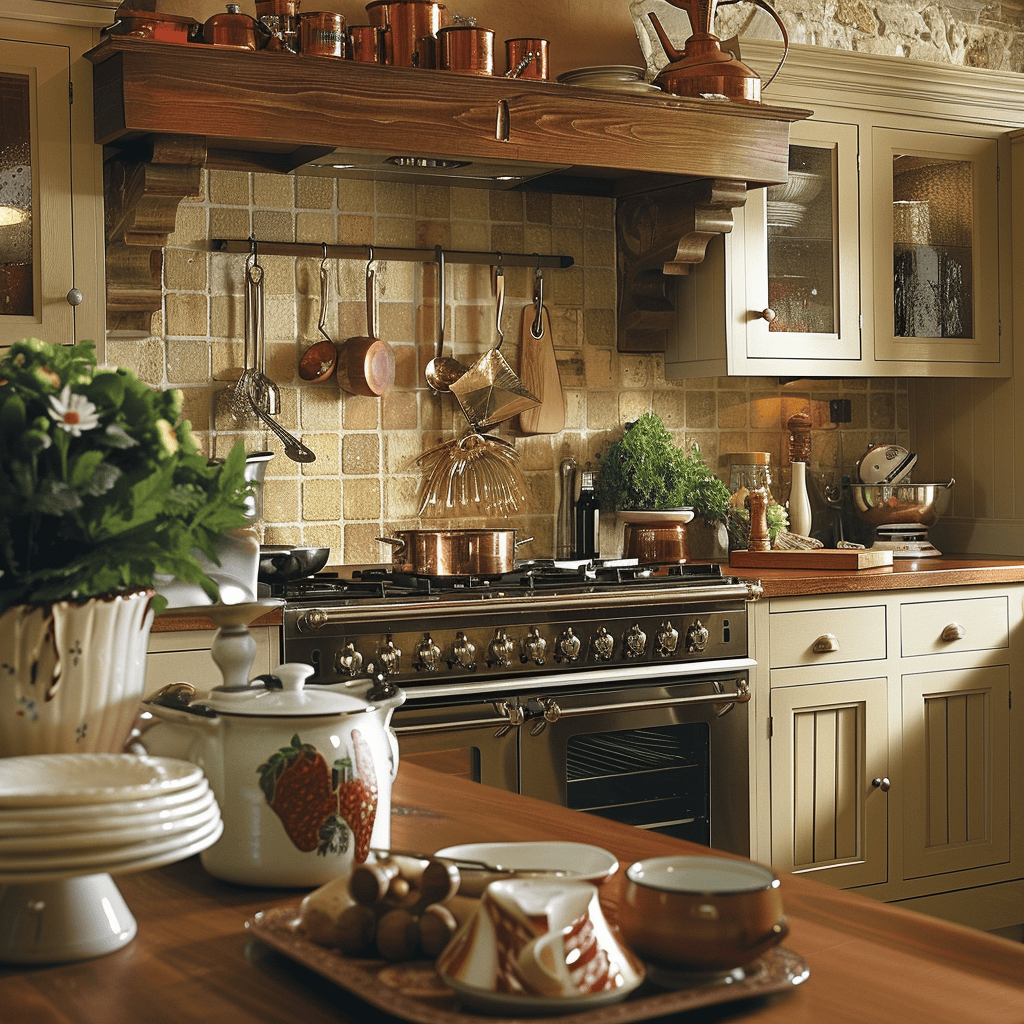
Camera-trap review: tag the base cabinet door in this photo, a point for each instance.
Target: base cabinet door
(956, 767)
(830, 755)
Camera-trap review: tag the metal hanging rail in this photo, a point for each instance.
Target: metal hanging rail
(384, 252)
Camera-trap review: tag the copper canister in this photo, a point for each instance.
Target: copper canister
(322, 34)
(405, 24)
(527, 58)
(367, 43)
(466, 49)
(231, 28)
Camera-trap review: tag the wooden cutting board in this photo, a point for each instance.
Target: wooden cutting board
(820, 558)
(539, 373)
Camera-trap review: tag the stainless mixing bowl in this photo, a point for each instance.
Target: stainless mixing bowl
(894, 504)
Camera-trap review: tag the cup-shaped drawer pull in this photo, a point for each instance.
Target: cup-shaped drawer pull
(954, 631)
(825, 644)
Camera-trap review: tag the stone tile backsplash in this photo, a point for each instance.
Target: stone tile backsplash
(365, 481)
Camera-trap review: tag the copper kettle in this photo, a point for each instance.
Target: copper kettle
(703, 67)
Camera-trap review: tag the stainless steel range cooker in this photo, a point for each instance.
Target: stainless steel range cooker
(607, 687)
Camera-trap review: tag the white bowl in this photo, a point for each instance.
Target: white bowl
(656, 517)
(577, 862)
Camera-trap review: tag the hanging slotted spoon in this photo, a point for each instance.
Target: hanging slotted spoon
(238, 397)
(264, 392)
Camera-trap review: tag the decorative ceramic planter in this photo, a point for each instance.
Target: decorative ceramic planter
(72, 675)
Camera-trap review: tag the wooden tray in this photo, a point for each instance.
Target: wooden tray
(820, 558)
(414, 992)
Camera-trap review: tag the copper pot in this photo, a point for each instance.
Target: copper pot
(466, 49)
(527, 58)
(406, 24)
(454, 552)
(232, 28)
(322, 34)
(367, 43)
(161, 27)
(653, 544)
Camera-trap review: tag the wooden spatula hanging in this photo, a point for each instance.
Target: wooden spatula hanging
(538, 369)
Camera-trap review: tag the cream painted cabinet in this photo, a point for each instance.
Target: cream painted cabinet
(886, 253)
(184, 656)
(51, 184)
(893, 745)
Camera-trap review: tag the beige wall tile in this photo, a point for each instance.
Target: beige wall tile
(360, 454)
(273, 191)
(321, 499)
(186, 315)
(361, 498)
(229, 188)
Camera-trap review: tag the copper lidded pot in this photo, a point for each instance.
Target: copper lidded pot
(408, 26)
(527, 58)
(322, 34)
(232, 28)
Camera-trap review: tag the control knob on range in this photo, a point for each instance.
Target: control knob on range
(463, 653)
(428, 655)
(348, 660)
(532, 647)
(697, 637)
(568, 646)
(666, 639)
(499, 650)
(390, 657)
(604, 644)
(634, 644)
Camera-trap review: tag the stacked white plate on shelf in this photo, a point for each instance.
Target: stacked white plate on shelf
(68, 822)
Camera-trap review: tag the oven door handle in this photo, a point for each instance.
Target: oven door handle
(506, 716)
(553, 713)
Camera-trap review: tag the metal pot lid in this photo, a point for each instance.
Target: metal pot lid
(285, 694)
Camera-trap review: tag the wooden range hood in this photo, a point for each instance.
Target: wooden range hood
(677, 167)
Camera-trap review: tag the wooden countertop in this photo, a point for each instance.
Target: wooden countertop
(192, 961)
(903, 574)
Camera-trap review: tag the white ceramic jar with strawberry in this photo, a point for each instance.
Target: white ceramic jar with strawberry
(303, 774)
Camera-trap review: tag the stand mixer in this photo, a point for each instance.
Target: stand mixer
(901, 515)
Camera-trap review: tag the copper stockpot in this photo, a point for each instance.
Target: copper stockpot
(466, 49)
(654, 544)
(322, 34)
(527, 58)
(232, 28)
(454, 552)
(367, 43)
(407, 24)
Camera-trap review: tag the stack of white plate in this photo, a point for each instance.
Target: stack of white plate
(67, 822)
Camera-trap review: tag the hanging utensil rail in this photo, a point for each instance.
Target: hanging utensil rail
(397, 254)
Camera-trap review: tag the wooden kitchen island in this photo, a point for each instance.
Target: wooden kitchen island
(193, 960)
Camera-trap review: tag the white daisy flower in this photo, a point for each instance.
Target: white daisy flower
(73, 413)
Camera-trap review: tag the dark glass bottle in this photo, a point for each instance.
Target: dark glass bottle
(588, 519)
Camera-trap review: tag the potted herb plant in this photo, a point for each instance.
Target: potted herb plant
(102, 488)
(657, 487)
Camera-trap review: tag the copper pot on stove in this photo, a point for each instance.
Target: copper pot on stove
(454, 552)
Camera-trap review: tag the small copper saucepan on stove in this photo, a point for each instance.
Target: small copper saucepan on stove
(454, 552)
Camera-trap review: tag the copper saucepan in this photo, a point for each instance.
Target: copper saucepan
(454, 552)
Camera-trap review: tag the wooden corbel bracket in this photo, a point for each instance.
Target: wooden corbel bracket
(664, 233)
(142, 188)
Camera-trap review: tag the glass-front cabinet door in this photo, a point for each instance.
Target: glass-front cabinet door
(936, 252)
(36, 244)
(803, 252)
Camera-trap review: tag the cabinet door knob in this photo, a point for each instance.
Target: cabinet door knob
(825, 644)
(954, 631)
(74, 297)
(883, 784)
(768, 314)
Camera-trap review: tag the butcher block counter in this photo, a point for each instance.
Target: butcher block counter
(193, 960)
(903, 574)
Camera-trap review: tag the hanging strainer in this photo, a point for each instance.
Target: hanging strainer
(490, 391)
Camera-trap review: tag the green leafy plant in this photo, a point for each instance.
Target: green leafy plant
(102, 487)
(646, 470)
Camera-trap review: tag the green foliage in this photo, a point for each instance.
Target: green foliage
(101, 485)
(645, 469)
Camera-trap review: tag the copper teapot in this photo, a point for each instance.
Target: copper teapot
(703, 67)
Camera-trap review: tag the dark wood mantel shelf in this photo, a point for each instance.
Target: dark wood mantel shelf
(677, 166)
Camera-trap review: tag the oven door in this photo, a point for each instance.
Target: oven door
(671, 757)
(474, 740)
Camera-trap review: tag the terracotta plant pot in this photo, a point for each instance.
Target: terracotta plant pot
(73, 674)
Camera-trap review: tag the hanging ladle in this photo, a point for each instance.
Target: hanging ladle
(442, 371)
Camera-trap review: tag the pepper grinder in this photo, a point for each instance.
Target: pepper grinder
(799, 455)
(759, 539)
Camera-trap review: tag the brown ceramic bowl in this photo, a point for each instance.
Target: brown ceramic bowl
(701, 914)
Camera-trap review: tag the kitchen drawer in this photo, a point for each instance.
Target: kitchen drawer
(947, 627)
(827, 636)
